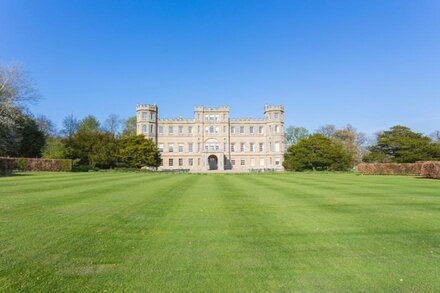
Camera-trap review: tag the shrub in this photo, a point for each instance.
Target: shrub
(431, 170)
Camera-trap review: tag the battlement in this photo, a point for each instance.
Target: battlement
(211, 109)
(273, 108)
(146, 107)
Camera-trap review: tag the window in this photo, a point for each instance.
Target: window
(161, 162)
(180, 147)
(241, 129)
(260, 130)
(180, 162)
(277, 146)
(211, 129)
(170, 147)
(241, 147)
(277, 128)
(233, 162)
(170, 162)
(276, 115)
(170, 130)
(242, 162)
(190, 129)
(144, 115)
(151, 129)
(190, 162)
(277, 161)
(232, 147)
(233, 129)
(270, 146)
(261, 162)
(251, 147)
(151, 116)
(224, 146)
(261, 147)
(144, 128)
(160, 129)
(251, 130)
(180, 129)
(190, 147)
(161, 147)
(198, 161)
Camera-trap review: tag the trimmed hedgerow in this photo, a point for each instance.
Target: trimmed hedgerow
(8, 165)
(426, 169)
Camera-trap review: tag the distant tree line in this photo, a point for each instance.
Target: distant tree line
(335, 149)
(88, 143)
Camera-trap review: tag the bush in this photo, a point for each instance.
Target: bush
(431, 170)
(425, 169)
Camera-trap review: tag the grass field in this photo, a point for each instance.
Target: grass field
(112, 232)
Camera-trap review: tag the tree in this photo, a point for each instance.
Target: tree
(16, 91)
(317, 152)
(327, 130)
(70, 125)
(54, 148)
(129, 126)
(112, 124)
(136, 151)
(83, 142)
(435, 136)
(294, 134)
(401, 145)
(104, 151)
(46, 126)
(33, 139)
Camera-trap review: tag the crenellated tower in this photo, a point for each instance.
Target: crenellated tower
(274, 117)
(146, 121)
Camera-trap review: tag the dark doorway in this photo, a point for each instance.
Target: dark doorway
(213, 162)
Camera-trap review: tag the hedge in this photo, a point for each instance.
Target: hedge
(426, 169)
(8, 165)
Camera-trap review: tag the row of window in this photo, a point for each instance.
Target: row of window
(216, 129)
(233, 162)
(243, 147)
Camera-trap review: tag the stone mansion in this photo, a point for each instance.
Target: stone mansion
(214, 141)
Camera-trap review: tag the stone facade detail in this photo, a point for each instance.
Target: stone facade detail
(214, 141)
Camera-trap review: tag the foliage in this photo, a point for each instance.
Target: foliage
(32, 139)
(401, 145)
(317, 152)
(294, 134)
(129, 126)
(112, 124)
(136, 151)
(16, 91)
(54, 148)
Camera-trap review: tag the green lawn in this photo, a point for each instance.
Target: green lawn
(136, 232)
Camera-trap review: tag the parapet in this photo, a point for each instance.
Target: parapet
(273, 108)
(146, 107)
(213, 109)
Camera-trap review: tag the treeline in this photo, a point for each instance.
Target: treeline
(341, 149)
(88, 143)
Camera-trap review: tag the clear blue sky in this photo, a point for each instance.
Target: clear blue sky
(369, 63)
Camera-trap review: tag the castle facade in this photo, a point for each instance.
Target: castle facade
(214, 141)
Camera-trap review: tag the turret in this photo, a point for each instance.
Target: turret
(146, 118)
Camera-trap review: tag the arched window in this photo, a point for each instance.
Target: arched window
(211, 129)
(144, 128)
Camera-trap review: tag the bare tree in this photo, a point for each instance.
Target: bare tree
(435, 136)
(327, 130)
(46, 125)
(70, 125)
(113, 124)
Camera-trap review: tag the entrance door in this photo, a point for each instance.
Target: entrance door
(213, 162)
